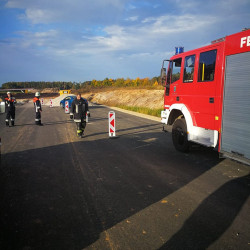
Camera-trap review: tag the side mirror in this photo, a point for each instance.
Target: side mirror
(163, 76)
(163, 72)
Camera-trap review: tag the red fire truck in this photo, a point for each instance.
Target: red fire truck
(207, 96)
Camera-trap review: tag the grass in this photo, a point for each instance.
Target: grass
(143, 110)
(92, 89)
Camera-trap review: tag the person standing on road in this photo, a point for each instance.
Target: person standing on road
(79, 108)
(10, 102)
(38, 108)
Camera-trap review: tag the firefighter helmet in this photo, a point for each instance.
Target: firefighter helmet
(8, 93)
(37, 94)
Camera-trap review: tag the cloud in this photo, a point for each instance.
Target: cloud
(46, 11)
(145, 37)
(40, 16)
(176, 24)
(132, 18)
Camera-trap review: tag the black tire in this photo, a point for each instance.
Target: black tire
(179, 135)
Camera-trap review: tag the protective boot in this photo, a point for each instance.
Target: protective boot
(38, 122)
(13, 123)
(79, 133)
(83, 125)
(7, 123)
(79, 129)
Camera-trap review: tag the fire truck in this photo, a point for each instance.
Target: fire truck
(207, 96)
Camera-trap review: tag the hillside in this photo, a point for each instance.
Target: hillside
(130, 97)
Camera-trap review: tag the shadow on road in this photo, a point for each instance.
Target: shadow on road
(45, 202)
(197, 233)
(44, 123)
(137, 129)
(65, 196)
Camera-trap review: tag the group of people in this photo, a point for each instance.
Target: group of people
(78, 112)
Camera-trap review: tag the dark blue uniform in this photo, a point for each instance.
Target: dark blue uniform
(79, 109)
(10, 110)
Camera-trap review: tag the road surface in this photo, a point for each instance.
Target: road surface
(133, 192)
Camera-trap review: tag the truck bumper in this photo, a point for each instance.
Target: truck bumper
(164, 116)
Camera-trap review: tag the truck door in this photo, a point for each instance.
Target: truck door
(235, 134)
(204, 99)
(175, 76)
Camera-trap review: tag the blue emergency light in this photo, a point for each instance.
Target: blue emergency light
(179, 50)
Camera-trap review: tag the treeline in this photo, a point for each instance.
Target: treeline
(41, 85)
(107, 82)
(121, 82)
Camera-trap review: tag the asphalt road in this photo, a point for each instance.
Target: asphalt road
(133, 192)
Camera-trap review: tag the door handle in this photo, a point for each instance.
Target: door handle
(211, 100)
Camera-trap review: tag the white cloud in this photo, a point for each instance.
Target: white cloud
(142, 38)
(47, 11)
(175, 24)
(37, 39)
(132, 18)
(39, 15)
(145, 37)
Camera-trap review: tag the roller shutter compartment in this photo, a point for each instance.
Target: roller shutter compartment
(235, 133)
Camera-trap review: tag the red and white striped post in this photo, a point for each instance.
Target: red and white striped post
(111, 124)
(42, 101)
(87, 117)
(51, 103)
(67, 107)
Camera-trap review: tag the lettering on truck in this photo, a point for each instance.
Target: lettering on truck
(245, 40)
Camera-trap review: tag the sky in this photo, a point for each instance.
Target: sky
(82, 40)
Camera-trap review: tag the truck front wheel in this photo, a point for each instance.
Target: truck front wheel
(179, 135)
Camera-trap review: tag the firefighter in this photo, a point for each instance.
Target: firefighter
(79, 108)
(38, 108)
(10, 102)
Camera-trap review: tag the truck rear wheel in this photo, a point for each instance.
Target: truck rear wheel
(179, 135)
